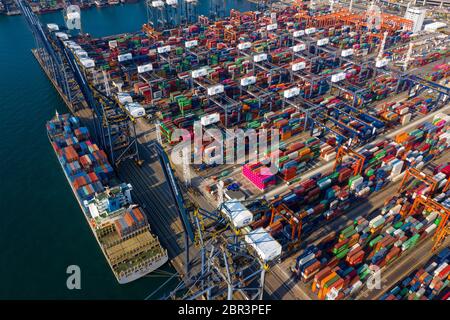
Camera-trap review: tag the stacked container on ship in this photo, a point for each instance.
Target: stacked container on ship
(121, 228)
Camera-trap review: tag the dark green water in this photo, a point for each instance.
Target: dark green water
(42, 230)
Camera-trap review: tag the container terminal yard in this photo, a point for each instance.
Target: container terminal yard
(358, 182)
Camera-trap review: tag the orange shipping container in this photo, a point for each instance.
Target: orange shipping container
(128, 219)
(304, 152)
(402, 137)
(138, 214)
(328, 278)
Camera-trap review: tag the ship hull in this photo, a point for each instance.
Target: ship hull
(121, 279)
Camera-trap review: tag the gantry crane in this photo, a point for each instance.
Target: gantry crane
(447, 186)
(414, 173)
(113, 125)
(443, 229)
(441, 233)
(346, 151)
(229, 267)
(295, 221)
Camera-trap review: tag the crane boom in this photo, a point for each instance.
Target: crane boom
(179, 201)
(175, 190)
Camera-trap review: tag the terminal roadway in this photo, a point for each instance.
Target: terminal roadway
(152, 192)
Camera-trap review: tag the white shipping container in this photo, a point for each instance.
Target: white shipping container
(215, 89)
(135, 109)
(310, 31)
(347, 52)
(420, 165)
(298, 33)
(75, 47)
(356, 183)
(299, 66)
(292, 92)
(191, 44)
(260, 57)
(244, 45)
(210, 119)
(164, 49)
(338, 77)
(442, 183)
(377, 221)
(406, 118)
(440, 268)
(304, 260)
(81, 54)
(61, 35)
(432, 216)
(431, 228)
(87, 63)
(248, 81)
(272, 26)
(267, 248)
(145, 68)
(157, 4)
(124, 57)
(323, 42)
(124, 98)
(403, 111)
(202, 72)
(237, 214)
(299, 47)
(381, 63)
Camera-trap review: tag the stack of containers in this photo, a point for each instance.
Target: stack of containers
(295, 156)
(130, 221)
(440, 71)
(86, 166)
(288, 121)
(327, 195)
(430, 282)
(380, 88)
(293, 159)
(346, 259)
(327, 152)
(259, 174)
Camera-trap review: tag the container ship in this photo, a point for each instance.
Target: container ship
(119, 226)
